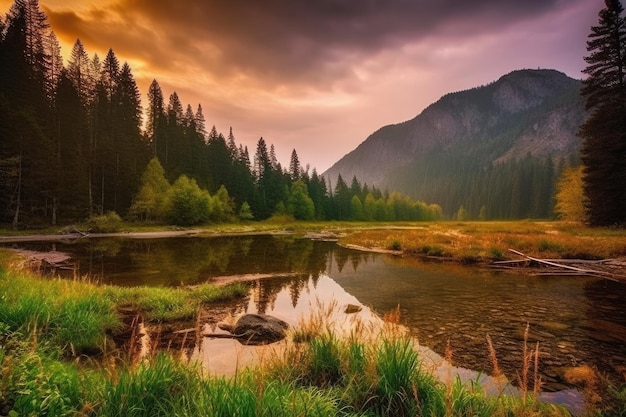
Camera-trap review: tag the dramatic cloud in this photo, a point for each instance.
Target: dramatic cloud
(320, 75)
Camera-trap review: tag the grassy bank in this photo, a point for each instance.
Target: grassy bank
(57, 358)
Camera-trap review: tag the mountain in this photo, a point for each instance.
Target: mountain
(508, 137)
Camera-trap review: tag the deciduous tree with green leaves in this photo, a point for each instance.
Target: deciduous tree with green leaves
(150, 202)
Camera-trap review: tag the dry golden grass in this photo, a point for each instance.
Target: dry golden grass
(471, 242)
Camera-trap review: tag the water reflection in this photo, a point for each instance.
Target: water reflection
(578, 321)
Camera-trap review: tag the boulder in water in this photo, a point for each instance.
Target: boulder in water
(255, 329)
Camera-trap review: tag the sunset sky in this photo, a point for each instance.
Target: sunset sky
(321, 75)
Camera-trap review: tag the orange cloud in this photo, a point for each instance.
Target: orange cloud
(301, 72)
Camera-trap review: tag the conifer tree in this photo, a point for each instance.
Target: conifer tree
(128, 152)
(155, 123)
(342, 199)
(79, 72)
(201, 123)
(604, 133)
(294, 166)
(55, 60)
(110, 73)
(232, 146)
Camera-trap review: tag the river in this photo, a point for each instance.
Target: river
(577, 321)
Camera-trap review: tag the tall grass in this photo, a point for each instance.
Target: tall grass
(378, 372)
(80, 316)
(72, 314)
(397, 366)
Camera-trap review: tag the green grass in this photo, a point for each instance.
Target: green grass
(80, 317)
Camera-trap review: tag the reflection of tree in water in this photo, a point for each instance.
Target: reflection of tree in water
(184, 261)
(190, 261)
(341, 259)
(605, 326)
(312, 263)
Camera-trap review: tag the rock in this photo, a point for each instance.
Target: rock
(351, 309)
(254, 329)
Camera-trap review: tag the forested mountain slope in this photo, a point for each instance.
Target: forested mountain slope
(497, 147)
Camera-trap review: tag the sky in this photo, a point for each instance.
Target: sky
(320, 76)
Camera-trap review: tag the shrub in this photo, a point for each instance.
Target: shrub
(496, 254)
(110, 222)
(187, 204)
(395, 245)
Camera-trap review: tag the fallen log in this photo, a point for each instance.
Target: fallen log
(580, 271)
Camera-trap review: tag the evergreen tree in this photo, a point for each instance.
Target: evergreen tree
(110, 73)
(155, 122)
(53, 73)
(223, 207)
(27, 155)
(232, 146)
(604, 133)
(130, 154)
(79, 72)
(175, 149)
(341, 200)
(294, 166)
(245, 213)
(219, 161)
(319, 194)
(201, 123)
(356, 189)
(72, 151)
(273, 159)
(241, 184)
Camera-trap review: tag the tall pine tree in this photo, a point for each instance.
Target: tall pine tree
(604, 133)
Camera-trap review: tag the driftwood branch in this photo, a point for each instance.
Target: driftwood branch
(570, 269)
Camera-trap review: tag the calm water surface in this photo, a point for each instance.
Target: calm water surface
(577, 321)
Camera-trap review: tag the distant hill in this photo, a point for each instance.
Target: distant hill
(497, 147)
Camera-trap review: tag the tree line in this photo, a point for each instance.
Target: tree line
(73, 147)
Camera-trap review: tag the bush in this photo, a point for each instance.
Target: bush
(395, 245)
(188, 205)
(110, 222)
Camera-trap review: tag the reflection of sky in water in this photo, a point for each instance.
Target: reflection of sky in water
(217, 354)
(226, 356)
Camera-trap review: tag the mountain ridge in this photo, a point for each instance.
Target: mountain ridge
(524, 113)
(416, 134)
